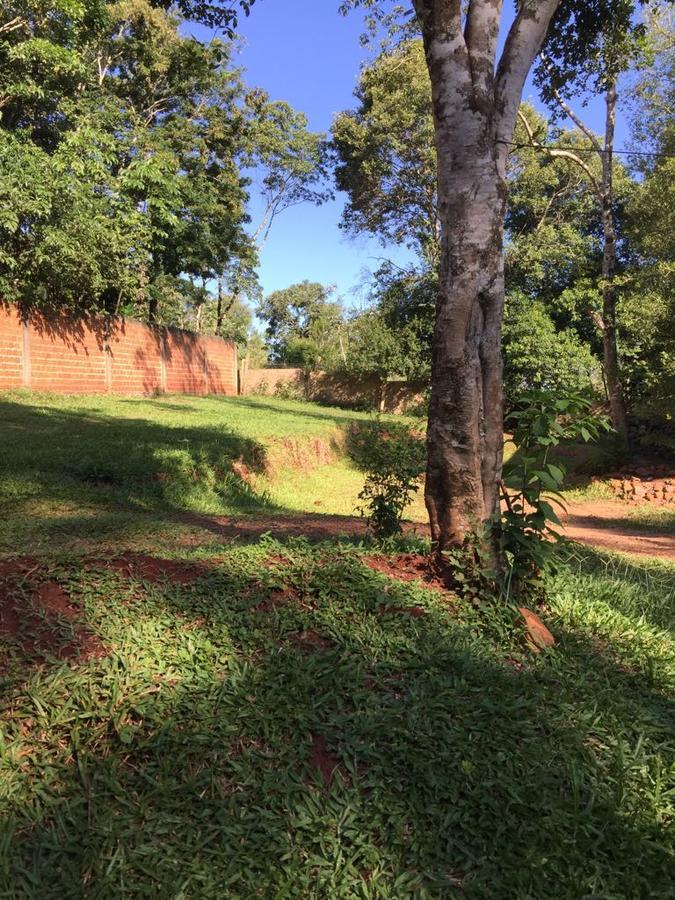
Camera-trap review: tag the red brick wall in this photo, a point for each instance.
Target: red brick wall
(93, 355)
(11, 349)
(135, 358)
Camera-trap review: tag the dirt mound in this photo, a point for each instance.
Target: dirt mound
(154, 569)
(41, 619)
(408, 567)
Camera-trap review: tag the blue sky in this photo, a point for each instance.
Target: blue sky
(304, 52)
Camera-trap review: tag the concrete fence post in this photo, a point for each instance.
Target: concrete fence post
(25, 354)
(163, 354)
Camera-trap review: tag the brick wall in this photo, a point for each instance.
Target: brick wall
(95, 355)
(336, 389)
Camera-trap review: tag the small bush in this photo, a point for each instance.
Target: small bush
(393, 456)
(289, 390)
(532, 483)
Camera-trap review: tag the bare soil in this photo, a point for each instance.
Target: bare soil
(601, 524)
(322, 760)
(40, 618)
(154, 569)
(407, 567)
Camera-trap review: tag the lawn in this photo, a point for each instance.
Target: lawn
(214, 718)
(91, 467)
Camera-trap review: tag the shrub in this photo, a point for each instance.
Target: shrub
(537, 356)
(530, 482)
(289, 390)
(393, 456)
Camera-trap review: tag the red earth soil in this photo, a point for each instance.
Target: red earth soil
(39, 627)
(321, 759)
(311, 641)
(603, 524)
(600, 524)
(408, 567)
(278, 597)
(154, 569)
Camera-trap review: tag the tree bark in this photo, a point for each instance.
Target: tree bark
(464, 437)
(617, 405)
(475, 104)
(153, 307)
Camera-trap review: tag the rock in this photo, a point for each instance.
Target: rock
(538, 635)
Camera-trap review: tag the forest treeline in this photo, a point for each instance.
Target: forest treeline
(128, 152)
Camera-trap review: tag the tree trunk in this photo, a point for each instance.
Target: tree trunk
(475, 104)
(220, 312)
(464, 437)
(382, 395)
(617, 406)
(153, 307)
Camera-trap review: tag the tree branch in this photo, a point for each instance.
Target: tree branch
(523, 43)
(480, 33)
(13, 24)
(567, 109)
(562, 154)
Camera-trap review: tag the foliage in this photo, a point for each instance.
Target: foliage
(539, 356)
(394, 459)
(589, 44)
(374, 348)
(256, 351)
(137, 141)
(385, 158)
(652, 90)
(531, 483)
(283, 156)
(303, 325)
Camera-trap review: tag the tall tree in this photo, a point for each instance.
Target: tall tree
(617, 44)
(303, 324)
(476, 91)
(475, 95)
(384, 154)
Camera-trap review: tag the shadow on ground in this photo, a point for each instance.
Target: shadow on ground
(219, 751)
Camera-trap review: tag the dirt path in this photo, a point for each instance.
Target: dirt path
(600, 524)
(604, 524)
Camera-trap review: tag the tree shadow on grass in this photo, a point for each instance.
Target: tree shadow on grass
(454, 774)
(107, 463)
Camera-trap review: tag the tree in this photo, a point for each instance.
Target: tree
(303, 325)
(616, 45)
(648, 305)
(384, 154)
(476, 94)
(374, 350)
(475, 104)
(538, 355)
(138, 140)
(288, 158)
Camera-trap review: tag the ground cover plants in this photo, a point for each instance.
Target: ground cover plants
(192, 708)
(283, 718)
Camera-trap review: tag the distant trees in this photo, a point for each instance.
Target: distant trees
(305, 326)
(126, 150)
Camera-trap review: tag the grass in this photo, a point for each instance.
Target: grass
(277, 725)
(648, 517)
(180, 765)
(76, 465)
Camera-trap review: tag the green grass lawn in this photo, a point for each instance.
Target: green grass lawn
(276, 719)
(77, 467)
